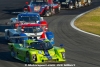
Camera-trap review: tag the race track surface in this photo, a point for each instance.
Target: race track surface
(83, 50)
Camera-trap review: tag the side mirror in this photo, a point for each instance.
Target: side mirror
(61, 45)
(26, 3)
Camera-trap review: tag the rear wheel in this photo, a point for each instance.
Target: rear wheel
(47, 13)
(27, 58)
(7, 36)
(89, 2)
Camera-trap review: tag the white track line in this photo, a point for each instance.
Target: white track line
(73, 21)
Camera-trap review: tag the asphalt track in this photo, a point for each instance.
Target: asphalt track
(82, 49)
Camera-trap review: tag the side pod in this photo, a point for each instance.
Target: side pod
(50, 36)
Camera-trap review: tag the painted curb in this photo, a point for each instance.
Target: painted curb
(73, 21)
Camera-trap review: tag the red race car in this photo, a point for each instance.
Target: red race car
(43, 7)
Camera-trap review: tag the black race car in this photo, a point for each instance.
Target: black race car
(71, 4)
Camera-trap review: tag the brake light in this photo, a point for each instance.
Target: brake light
(16, 25)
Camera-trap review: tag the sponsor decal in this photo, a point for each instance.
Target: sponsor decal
(36, 8)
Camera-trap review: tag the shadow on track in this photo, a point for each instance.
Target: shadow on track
(13, 11)
(5, 56)
(3, 27)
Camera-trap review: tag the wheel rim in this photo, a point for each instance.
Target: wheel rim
(27, 59)
(13, 54)
(47, 13)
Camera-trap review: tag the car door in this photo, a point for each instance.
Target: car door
(21, 53)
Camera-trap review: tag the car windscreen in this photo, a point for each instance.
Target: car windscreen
(64, 0)
(41, 45)
(39, 2)
(28, 18)
(35, 29)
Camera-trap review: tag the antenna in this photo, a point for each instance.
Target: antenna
(24, 43)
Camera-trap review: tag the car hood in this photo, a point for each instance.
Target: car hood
(51, 52)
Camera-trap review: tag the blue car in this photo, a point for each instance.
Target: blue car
(43, 7)
(25, 17)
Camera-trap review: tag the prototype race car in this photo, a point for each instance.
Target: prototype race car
(71, 4)
(29, 30)
(43, 7)
(27, 17)
(37, 51)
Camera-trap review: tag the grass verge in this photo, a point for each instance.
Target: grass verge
(90, 22)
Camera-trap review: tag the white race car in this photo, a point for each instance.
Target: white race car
(28, 30)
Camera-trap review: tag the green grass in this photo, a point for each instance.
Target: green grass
(90, 22)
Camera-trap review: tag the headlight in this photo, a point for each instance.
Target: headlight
(63, 54)
(34, 57)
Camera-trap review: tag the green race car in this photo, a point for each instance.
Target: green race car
(40, 51)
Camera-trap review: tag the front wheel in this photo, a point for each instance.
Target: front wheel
(13, 53)
(27, 58)
(47, 13)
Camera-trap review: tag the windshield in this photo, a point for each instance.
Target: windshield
(64, 0)
(39, 2)
(41, 45)
(35, 29)
(28, 18)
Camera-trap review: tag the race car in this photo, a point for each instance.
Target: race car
(29, 30)
(72, 4)
(85, 2)
(43, 7)
(37, 51)
(27, 17)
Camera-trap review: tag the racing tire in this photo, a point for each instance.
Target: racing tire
(47, 13)
(85, 4)
(13, 53)
(13, 25)
(27, 58)
(76, 4)
(89, 2)
(59, 8)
